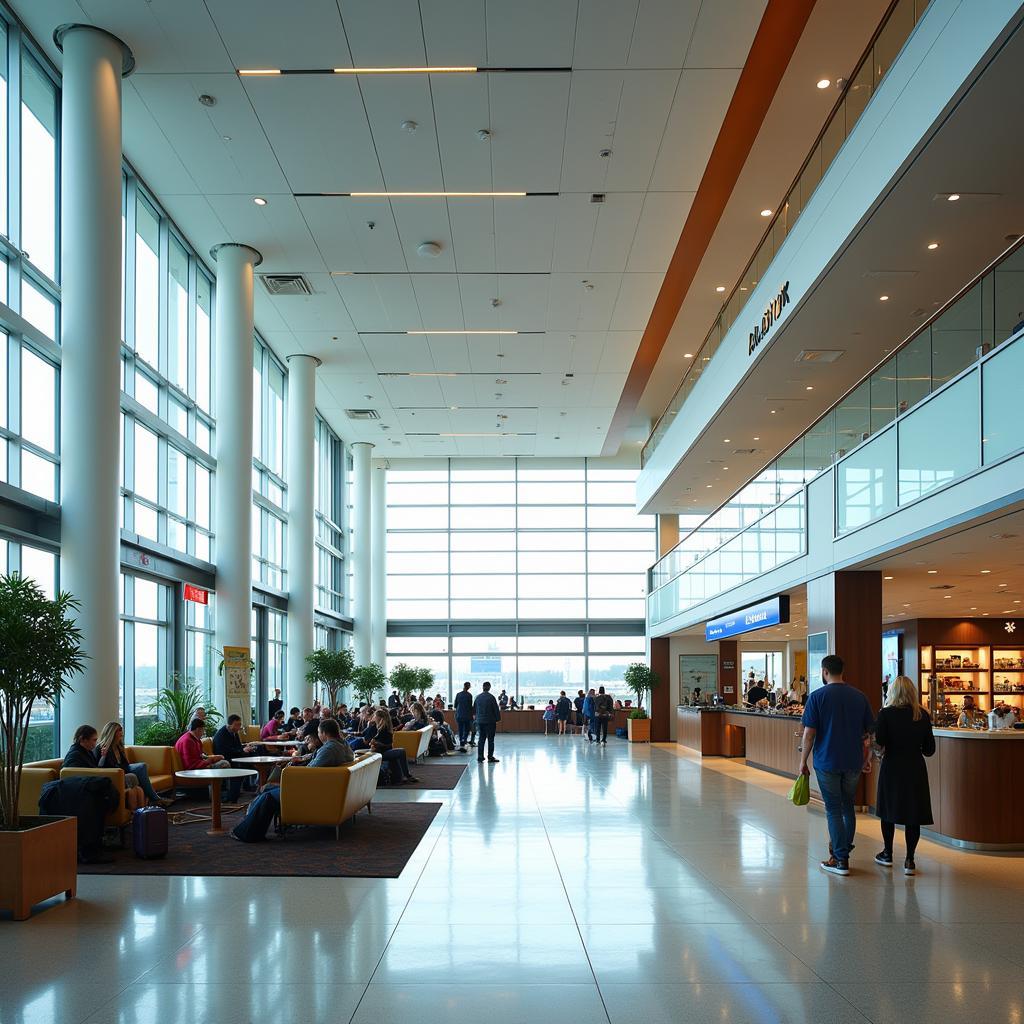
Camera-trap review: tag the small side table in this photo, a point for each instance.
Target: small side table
(263, 763)
(215, 776)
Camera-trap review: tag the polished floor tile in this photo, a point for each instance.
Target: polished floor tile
(615, 885)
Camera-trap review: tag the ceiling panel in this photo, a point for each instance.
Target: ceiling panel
(525, 233)
(341, 229)
(635, 301)
(425, 220)
(472, 227)
(461, 109)
(278, 230)
(701, 100)
(604, 30)
(384, 32)
(723, 33)
(455, 32)
(380, 302)
(399, 353)
(263, 33)
(323, 310)
(530, 33)
(150, 150)
(573, 305)
(657, 231)
(528, 114)
(662, 33)
(613, 237)
(451, 352)
(318, 128)
(523, 300)
(439, 301)
(409, 159)
(624, 112)
(619, 349)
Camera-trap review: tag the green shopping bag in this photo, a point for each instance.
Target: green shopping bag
(800, 794)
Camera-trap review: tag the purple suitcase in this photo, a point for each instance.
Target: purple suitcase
(149, 832)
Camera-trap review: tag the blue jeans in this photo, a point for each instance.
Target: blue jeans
(141, 772)
(463, 724)
(838, 790)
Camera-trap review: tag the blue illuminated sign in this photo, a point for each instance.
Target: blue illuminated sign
(772, 612)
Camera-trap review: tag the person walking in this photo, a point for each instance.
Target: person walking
(904, 732)
(604, 709)
(487, 715)
(588, 713)
(837, 725)
(464, 714)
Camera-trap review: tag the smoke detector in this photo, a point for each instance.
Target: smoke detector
(429, 250)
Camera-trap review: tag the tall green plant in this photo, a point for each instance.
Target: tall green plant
(424, 680)
(330, 669)
(40, 648)
(176, 705)
(404, 678)
(367, 681)
(640, 679)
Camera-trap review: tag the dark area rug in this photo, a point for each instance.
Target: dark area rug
(376, 845)
(434, 775)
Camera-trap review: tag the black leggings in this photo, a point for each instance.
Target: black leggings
(912, 833)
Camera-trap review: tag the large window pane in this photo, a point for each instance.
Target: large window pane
(38, 400)
(147, 282)
(866, 482)
(38, 167)
(177, 315)
(1001, 386)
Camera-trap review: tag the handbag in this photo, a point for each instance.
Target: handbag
(800, 794)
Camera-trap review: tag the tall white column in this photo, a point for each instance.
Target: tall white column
(378, 571)
(362, 541)
(90, 256)
(301, 542)
(235, 266)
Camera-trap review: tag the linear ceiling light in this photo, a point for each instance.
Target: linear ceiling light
(432, 375)
(431, 195)
(406, 71)
(259, 71)
(462, 332)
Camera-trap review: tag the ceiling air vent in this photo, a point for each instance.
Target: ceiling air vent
(597, 197)
(286, 284)
(744, 451)
(819, 355)
(362, 414)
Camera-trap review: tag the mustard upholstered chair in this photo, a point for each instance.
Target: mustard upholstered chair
(35, 775)
(328, 796)
(415, 742)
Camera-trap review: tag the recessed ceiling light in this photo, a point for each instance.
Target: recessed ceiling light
(687, 355)
(772, 411)
(1004, 584)
(726, 440)
(947, 597)
(1016, 600)
(933, 245)
(432, 195)
(725, 467)
(932, 572)
(823, 83)
(952, 197)
(883, 298)
(757, 439)
(460, 331)
(974, 607)
(985, 572)
(810, 387)
(708, 486)
(259, 200)
(886, 577)
(720, 288)
(766, 213)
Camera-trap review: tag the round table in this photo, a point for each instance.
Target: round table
(263, 763)
(215, 776)
(281, 743)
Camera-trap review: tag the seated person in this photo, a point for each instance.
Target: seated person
(394, 700)
(503, 700)
(618, 705)
(394, 757)
(309, 724)
(418, 719)
(308, 751)
(294, 720)
(190, 748)
(229, 746)
(274, 729)
(82, 752)
(439, 703)
(513, 705)
(362, 740)
(112, 755)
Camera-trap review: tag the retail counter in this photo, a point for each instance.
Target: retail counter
(533, 721)
(764, 740)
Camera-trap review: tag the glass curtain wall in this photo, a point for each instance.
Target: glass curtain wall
(329, 529)
(527, 555)
(146, 649)
(269, 514)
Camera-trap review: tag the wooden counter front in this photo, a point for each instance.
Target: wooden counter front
(768, 741)
(700, 730)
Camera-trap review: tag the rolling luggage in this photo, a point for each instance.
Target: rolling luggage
(149, 832)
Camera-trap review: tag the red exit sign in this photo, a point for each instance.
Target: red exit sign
(196, 594)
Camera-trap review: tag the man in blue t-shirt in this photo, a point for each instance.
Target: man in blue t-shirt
(837, 724)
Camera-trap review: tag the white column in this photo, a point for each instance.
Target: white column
(90, 255)
(301, 542)
(378, 571)
(362, 543)
(234, 341)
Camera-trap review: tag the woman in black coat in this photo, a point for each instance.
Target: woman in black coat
(904, 732)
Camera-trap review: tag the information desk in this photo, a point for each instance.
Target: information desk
(533, 721)
(969, 775)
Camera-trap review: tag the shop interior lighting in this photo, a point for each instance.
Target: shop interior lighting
(823, 83)
(766, 213)
(933, 245)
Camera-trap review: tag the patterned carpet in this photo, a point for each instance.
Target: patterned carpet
(434, 775)
(376, 845)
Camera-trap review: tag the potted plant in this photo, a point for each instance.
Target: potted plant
(424, 680)
(367, 681)
(640, 680)
(175, 707)
(330, 669)
(40, 649)
(404, 678)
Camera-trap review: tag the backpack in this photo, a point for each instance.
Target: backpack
(262, 812)
(437, 746)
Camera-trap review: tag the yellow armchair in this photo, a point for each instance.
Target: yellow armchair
(328, 796)
(35, 775)
(118, 818)
(415, 743)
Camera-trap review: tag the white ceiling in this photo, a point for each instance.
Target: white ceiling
(650, 80)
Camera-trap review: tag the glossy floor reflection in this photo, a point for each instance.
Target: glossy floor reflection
(569, 883)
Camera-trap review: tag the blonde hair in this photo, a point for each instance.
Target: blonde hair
(903, 694)
(107, 734)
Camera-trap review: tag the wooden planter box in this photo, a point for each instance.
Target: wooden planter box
(638, 730)
(37, 862)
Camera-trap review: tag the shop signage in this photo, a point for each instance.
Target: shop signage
(772, 612)
(196, 594)
(772, 313)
